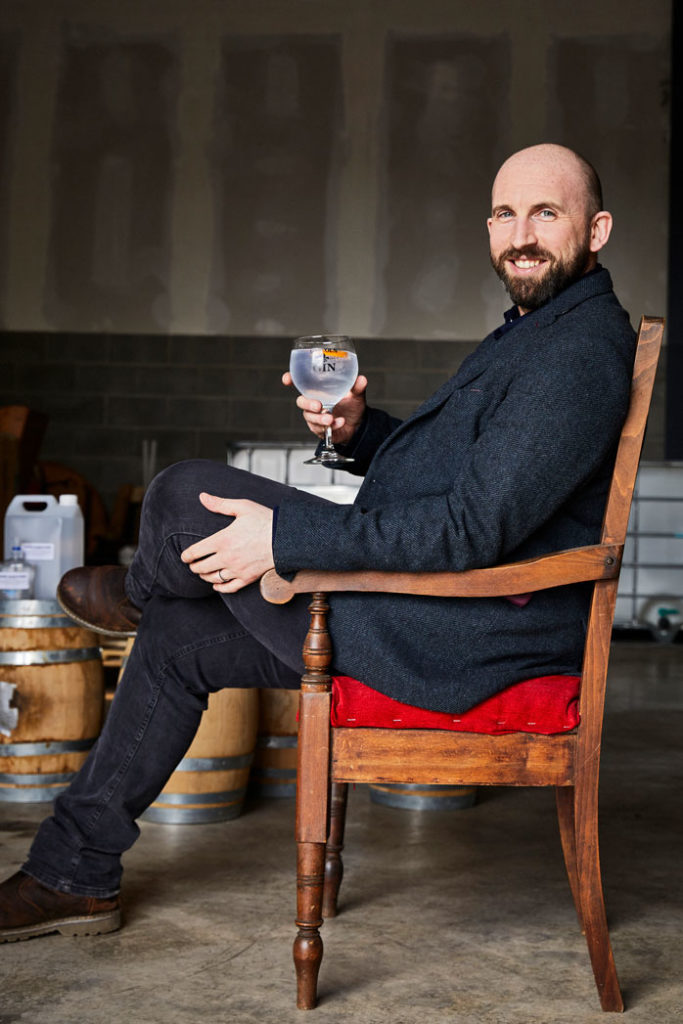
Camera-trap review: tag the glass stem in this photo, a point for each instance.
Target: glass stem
(329, 447)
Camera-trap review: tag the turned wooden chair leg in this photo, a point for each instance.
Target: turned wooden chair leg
(334, 866)
(308, 945)
(592, 901)
(564, 796)
(312, 802)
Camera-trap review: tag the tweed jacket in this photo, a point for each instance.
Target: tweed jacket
(509, 459)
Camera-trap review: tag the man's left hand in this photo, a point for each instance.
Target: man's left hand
(240, 553)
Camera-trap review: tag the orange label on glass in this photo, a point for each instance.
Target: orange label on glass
(334, 353)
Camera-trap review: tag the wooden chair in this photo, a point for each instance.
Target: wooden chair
(330, 758)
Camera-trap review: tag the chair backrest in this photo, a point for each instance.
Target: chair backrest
(618, 505)
(615, 525)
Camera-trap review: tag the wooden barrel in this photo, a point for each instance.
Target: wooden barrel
(51, 699)
(416, 796)
(210, 782)
(122, 655)
(274, 769)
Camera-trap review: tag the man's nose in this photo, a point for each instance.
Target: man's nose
(524, 232)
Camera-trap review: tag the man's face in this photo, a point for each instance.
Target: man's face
(540, 231)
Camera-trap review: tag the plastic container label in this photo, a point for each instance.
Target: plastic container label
(38, 552)
(14, 581)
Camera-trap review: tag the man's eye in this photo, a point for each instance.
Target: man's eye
(504, 214)
(546, 214)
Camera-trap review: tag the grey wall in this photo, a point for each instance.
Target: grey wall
(7, 105)
(185, 187)
(287, 166)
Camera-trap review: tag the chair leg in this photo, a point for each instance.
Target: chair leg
(564, 796)
(308, 946)
(334, 866)
(591, 899)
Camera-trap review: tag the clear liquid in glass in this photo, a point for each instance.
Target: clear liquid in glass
(324, 374)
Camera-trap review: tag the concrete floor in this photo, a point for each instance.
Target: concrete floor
(462, 917)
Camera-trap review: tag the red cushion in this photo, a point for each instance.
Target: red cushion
(546, 705)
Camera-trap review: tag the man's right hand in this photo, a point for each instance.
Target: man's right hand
(344, 419)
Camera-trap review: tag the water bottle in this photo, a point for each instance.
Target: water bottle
(17, 576)
(51, 534)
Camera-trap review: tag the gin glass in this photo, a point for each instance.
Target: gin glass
(324, 367)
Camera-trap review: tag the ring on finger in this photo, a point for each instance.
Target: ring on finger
(221, 577)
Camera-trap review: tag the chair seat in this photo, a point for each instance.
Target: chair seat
(547, 705)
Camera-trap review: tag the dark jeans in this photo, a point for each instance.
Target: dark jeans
(191, 641)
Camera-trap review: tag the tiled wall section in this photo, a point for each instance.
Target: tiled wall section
(105, 394)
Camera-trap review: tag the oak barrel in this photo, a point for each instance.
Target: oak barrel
(416, 796)
(51, 699)
(274, 769)
(210, 782)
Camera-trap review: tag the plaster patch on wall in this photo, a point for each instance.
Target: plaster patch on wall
(446, 116)
(109, 250)
(266, 283)
(276, 133)
(111, 254)
(272, 228)
(434, 289)
(266, 325)
(282, 97)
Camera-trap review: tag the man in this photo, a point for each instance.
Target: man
(509, 459)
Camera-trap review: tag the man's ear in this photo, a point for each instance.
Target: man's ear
(601, 227)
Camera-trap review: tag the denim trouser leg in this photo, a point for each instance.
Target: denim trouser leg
(173, 518)
(191, 641)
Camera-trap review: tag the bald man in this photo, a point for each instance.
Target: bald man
(541, 246)
(509, 459)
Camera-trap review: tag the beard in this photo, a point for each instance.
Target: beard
(560, 271)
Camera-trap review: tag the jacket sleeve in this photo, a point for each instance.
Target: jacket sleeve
(376, 426)
(553, 431)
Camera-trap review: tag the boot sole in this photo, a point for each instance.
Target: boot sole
(95, 925)
(91, 626)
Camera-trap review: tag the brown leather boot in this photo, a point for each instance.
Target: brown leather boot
(95, 597)
(28, 908)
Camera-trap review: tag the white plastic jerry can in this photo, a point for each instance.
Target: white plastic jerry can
(50, 532)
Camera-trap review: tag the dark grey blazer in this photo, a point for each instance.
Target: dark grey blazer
(510, 458)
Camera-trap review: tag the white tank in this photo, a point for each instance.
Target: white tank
(663, 616)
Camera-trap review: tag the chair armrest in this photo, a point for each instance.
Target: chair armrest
(577, 565)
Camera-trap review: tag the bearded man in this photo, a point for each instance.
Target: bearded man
(509, 459)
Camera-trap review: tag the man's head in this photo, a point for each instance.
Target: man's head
(546, 223)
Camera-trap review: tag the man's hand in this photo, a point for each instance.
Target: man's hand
(344, 418)
(240, 553)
